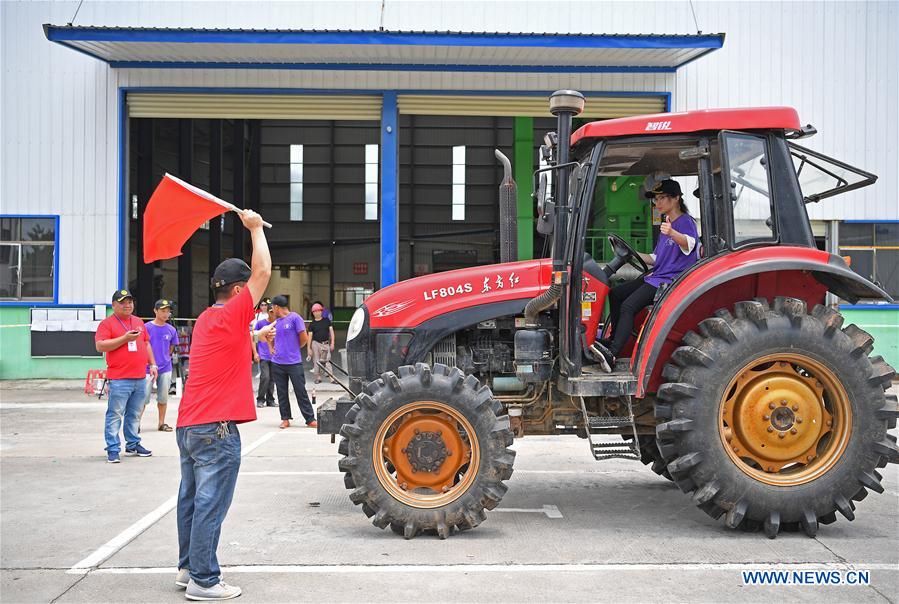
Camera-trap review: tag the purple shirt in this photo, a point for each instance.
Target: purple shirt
(162, 338)
(287, 339)
(262, 345)
(671, 261)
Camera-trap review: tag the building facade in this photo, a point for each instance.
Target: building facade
(367, 138)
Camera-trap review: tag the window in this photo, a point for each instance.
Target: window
(746, 159)
(27, 257)
(371, 182)
(296, 182)
(459, 183)
(352, 295)
(874, 250)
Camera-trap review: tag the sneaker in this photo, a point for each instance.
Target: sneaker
(183, 578)
(139, 451)
(603, 356)
(219, 591)
(260, 405)
(112, 458)
(312, 424)
(272, 404)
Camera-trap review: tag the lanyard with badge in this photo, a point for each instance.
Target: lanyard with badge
(132, 345)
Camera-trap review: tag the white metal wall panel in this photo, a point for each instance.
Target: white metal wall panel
(59, 128)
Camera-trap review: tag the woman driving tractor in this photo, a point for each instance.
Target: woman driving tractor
(675, 252)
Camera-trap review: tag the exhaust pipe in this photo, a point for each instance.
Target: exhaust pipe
(508, 212)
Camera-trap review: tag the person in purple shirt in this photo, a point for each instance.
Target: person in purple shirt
(163, 339)
(265, 395)
(286, 338)
(676, 251)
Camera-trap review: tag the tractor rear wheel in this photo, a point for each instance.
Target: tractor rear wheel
(426, 450)
(777, 418)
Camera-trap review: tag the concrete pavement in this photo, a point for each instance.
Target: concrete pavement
(293, 535)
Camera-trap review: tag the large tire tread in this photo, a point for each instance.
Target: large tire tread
(693, 383)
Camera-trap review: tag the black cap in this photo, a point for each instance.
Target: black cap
(121, 294)
(163, 303)
(667, 187)
(266, 301)
(232, 270)
(281, 301)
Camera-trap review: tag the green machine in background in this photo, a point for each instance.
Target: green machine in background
(619, 208)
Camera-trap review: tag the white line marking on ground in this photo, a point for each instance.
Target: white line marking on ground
(111, 547)
(551, 511)
(67, 406)
(511, 568)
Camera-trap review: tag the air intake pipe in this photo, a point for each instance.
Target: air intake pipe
(564, 104)
(508, 212)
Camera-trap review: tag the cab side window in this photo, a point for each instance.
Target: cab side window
(747, 170)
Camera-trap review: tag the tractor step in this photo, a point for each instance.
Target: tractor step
(604, 451)
(603, 427)
(593, 381)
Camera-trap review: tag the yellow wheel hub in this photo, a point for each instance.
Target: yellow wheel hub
(426, 454)
(785, 419)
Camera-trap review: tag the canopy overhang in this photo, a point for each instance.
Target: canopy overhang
(125, 47)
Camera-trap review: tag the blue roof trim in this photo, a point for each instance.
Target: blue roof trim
(378, 91)
(389, 67)
(56, 33)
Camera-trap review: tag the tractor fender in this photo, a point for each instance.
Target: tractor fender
(813, 272)
(427, 334)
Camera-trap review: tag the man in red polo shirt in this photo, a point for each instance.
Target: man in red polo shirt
(123, 338)
(217, 397)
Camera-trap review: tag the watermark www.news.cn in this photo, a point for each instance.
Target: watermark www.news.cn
(806, 577)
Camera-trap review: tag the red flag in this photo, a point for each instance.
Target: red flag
(175, 211)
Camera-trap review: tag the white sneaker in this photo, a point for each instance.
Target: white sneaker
(183, 577)
(219, 591)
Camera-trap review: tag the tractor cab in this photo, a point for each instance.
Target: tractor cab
(740, 172)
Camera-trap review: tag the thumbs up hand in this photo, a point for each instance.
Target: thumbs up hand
(666, 227)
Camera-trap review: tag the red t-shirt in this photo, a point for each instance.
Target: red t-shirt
(122, 363)
(220, 384)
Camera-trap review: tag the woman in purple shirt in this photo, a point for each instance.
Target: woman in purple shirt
(676, 251)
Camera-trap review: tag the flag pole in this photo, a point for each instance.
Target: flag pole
(210, 196)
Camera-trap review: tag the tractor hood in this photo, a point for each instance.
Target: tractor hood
(414, 301)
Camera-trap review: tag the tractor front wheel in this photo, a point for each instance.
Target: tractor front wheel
(777, 418)
(426, 449)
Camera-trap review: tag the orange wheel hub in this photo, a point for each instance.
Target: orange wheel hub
(426, 454)
(785, 419)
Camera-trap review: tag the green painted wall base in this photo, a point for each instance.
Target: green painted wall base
(16, 362)
(883, 325)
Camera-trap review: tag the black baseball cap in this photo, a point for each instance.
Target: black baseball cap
(667, 187)
(281, 301)
(266, 301)
(163, 303)
(232, 270)
(121, 294)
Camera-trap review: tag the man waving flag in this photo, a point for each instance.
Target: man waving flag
(175, 211)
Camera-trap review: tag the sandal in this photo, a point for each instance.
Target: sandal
(165, 428)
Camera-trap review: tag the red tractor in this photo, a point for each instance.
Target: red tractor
(740, 383)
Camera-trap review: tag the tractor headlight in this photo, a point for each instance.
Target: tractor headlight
(356, 324)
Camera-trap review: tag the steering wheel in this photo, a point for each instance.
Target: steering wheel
(625, 254)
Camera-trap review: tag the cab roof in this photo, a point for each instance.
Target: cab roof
(756, 118)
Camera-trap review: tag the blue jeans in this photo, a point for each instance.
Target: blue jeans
(126, 399)
(210, 461)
